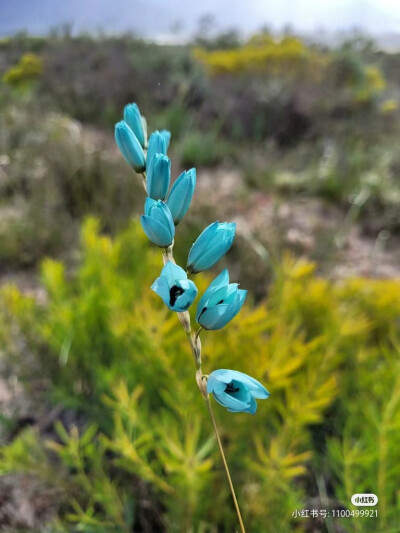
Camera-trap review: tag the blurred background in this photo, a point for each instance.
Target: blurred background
(289, 110)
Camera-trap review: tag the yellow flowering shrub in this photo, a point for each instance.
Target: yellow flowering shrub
(389, 106)
(289, 58)
(28, 68)
(261, 53)
(137, 451)
(373, 83)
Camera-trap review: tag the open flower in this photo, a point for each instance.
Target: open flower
(157, 223)
(158, 176)
(181, 194)
(175, 289)
(210, 246)
(129, 146)
(221, 302)
(236, 391)
(136, 122)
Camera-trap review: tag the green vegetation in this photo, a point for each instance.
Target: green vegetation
(53, 173)
(293, 118)
(29, 68)
(117, 364)
(102, 428)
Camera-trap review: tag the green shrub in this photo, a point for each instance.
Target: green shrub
(201, 149)
(54, 173)
(137, 453)
(27, 70)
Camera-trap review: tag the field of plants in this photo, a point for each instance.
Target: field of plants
(103, 428)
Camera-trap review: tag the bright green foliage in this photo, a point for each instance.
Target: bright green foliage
(15, 459)
(139, 454)
(204, 149)
(27, 70)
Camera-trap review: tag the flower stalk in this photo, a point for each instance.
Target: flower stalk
(195, 345)
(222, 301)
(228, 475)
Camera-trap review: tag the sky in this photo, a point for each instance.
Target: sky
(155, 19)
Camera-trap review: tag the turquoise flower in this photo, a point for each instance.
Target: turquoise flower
(167, 138)
(236, 391)
(136, 122)
(158, 144)
(175, 289)
(157, 223)
(181, 194)
(129, 146)
(210, 246)
(221, 302)
(158, 176)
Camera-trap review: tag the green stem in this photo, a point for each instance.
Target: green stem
(228, 475)
(195, 351)
(195, 346)
(198, 333)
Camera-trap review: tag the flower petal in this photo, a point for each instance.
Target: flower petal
(148, 205)
(218, 297)
(129, 146)
(215, 317)
(251, 409)
(200, 245)
(158, 176)
(231, 403)
(167, 138)
(236, 305)
(215, 385)
(184, 301)
(161, 287)
(156, 146)
(216, 249)
(156, 232)
(226, 376)
(133, 118)
(221, 280)
(181, 194)
(173, 273)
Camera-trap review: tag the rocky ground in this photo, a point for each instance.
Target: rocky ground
(312, 227)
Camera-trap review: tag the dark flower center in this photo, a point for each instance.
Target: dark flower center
(231, 388)
(174, 294)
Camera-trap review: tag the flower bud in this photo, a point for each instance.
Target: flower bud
(181, 194)
(136, 122)
(157, 223)
(157, 145)
(129, 146)
(158, 176)
(210, 246)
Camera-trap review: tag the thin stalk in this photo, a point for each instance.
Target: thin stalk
(144, 181)
(195, 352)
(198, 333)
(195, 345)
(228, 475)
